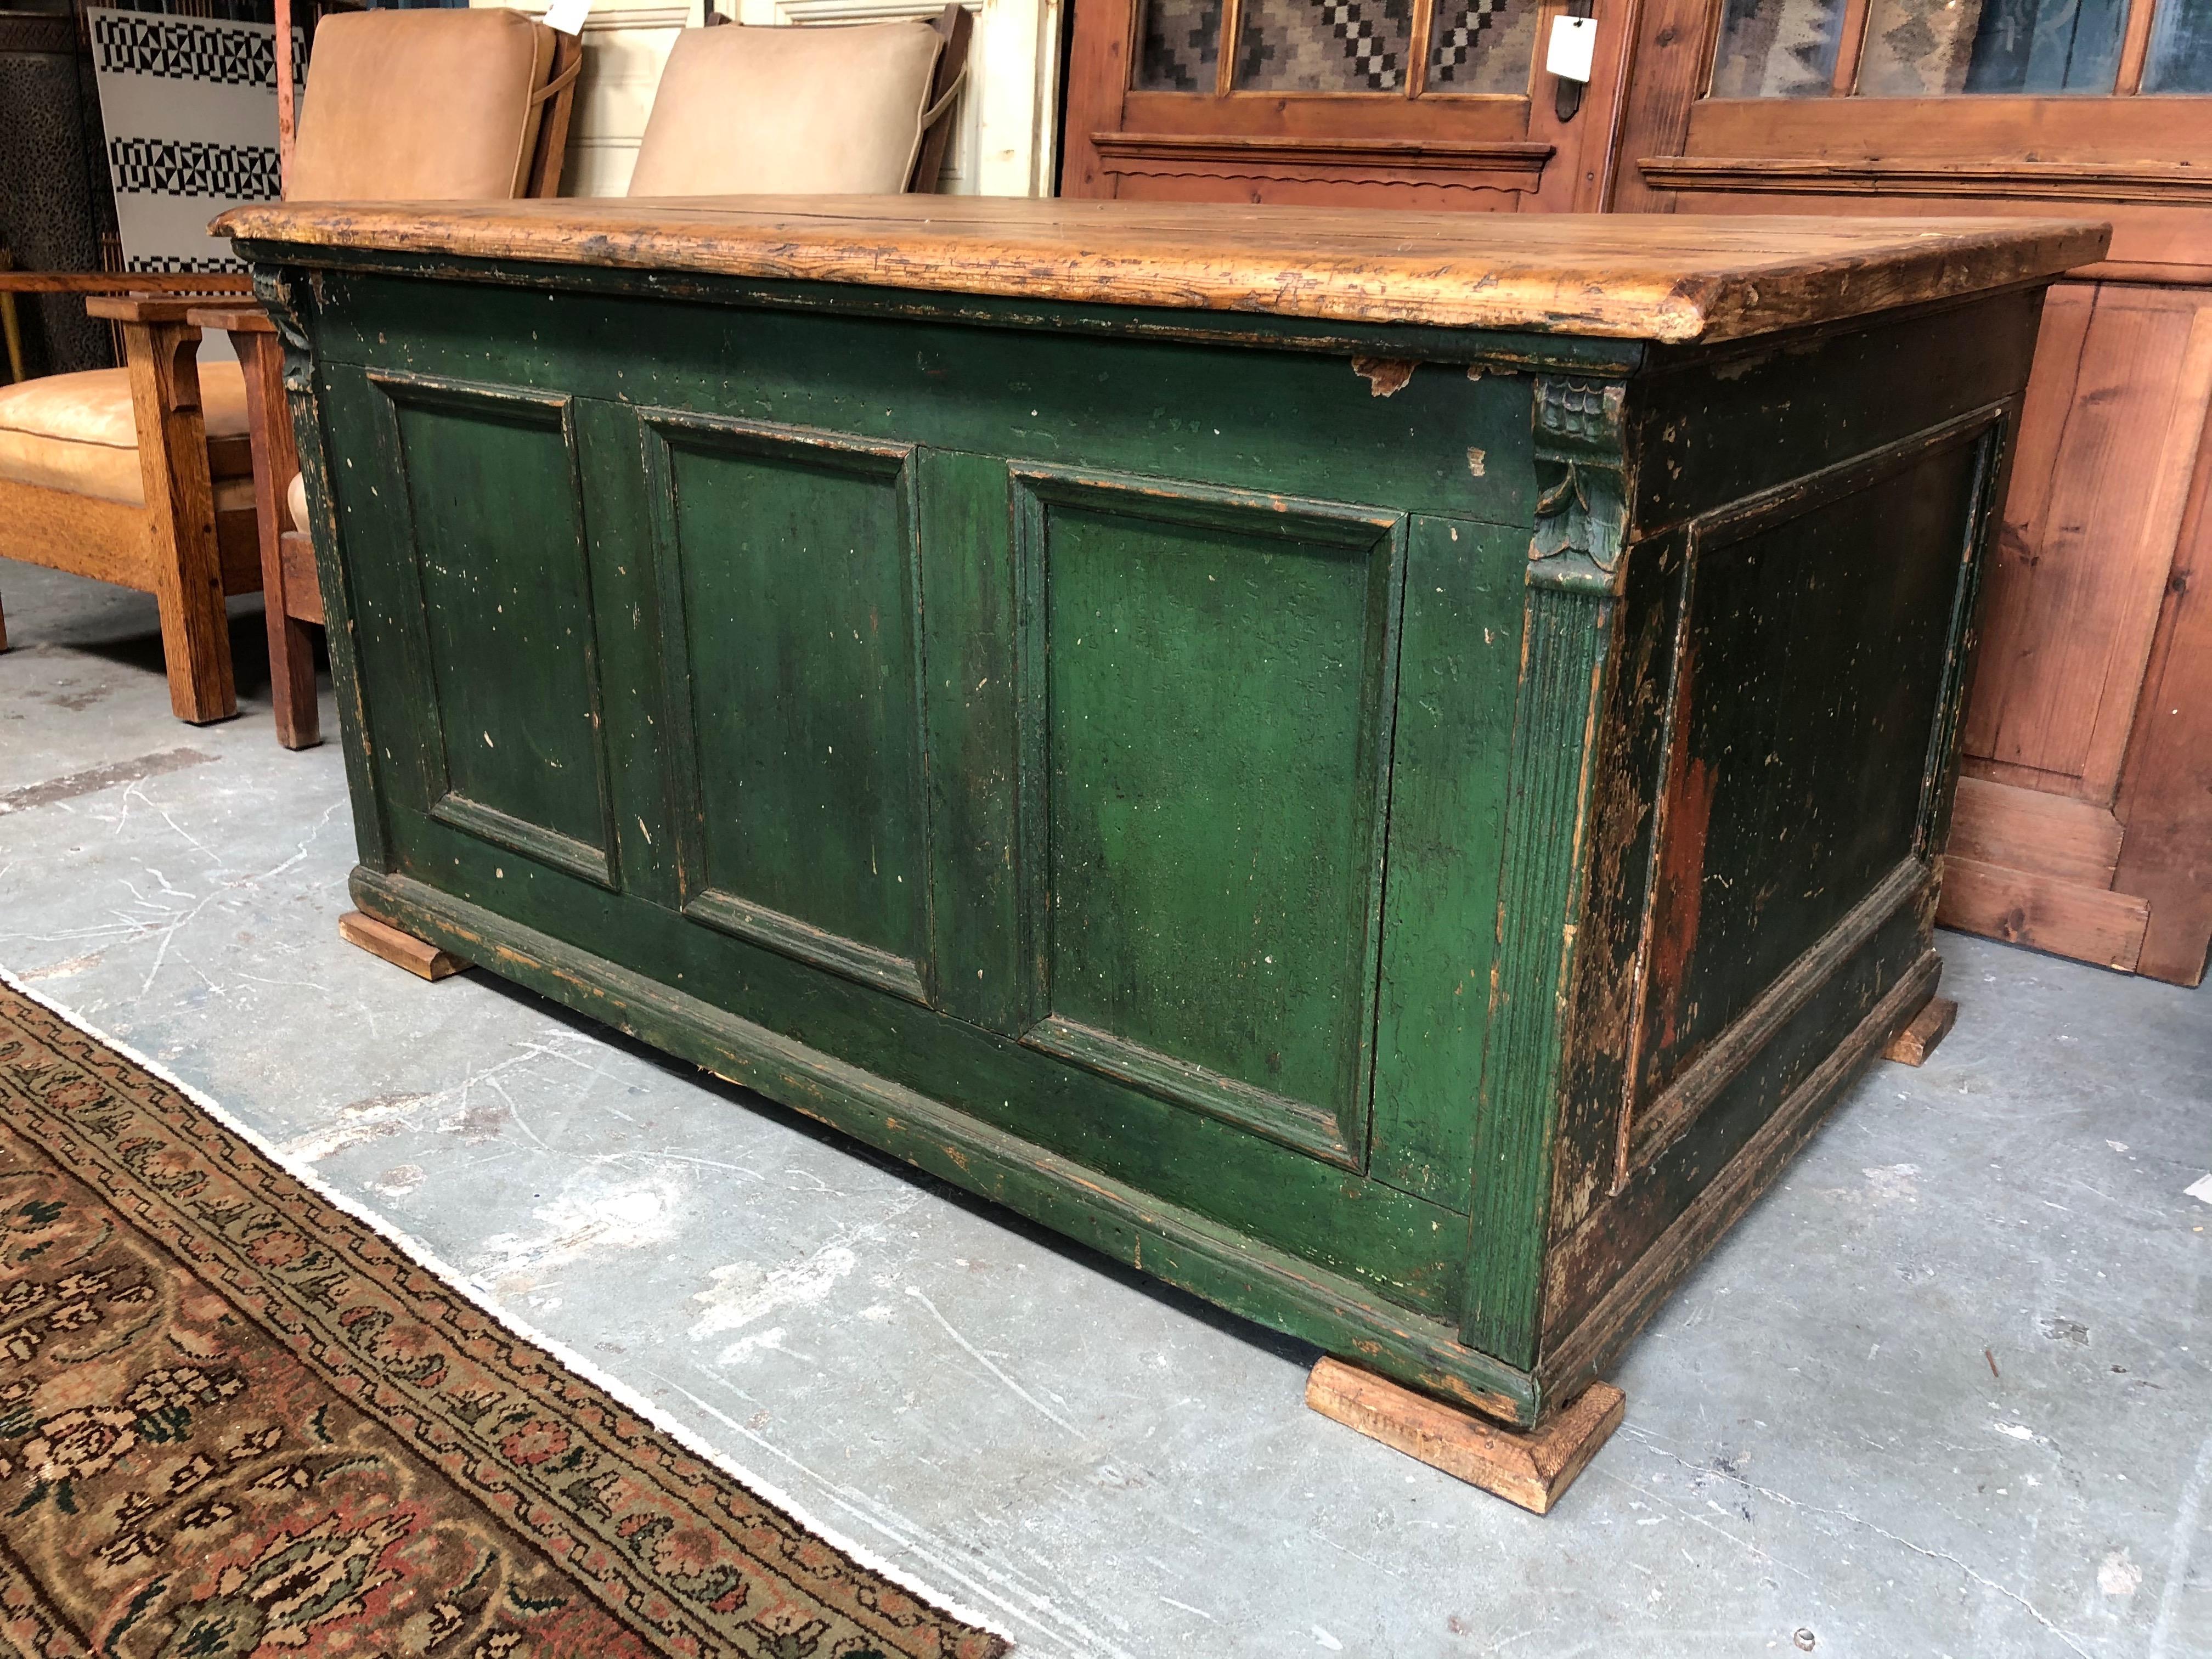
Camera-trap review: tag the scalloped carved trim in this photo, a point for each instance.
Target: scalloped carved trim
(1503, 164)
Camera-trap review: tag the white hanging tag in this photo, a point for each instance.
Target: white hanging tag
(1573, 47)
(567, 16)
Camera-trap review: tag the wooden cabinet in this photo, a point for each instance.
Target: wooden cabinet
(1385, 771)
(1417, 104)
(2085, 826)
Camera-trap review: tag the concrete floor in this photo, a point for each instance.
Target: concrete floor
(1944, 1392)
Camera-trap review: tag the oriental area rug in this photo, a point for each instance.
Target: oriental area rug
(237, 1419)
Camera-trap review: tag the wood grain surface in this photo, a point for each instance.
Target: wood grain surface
(1530, 1468)
(1673, 278)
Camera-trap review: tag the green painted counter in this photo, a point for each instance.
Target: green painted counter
(1389, 785)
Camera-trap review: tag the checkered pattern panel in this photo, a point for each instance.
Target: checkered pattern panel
(179, 166)
(189, 107)
(1181, 46)
(132, 43)
(171, 262)
(1325, 45)
(1483, 47)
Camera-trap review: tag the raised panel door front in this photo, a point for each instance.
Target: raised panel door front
(790, 604)
(1206, 691)
(502, 633)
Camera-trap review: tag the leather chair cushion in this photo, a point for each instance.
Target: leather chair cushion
(77, 432)
(406, 105)
(749, 110)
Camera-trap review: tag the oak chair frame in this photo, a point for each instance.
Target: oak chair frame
(176, 545)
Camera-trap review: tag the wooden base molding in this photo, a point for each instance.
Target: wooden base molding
(1531, 1468)
(379, 938)
(2021, 907)
(1912, 1045)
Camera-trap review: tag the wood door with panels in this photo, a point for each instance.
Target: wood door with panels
(1414, 104)
(2084, 822)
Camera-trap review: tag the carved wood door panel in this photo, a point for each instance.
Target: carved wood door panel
(1410, 104)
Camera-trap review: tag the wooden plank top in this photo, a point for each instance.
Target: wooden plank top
(1653, 277)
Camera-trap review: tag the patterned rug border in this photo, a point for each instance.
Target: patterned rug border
(431, 1262)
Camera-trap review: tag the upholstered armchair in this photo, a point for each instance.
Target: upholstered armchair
(857, 109)
(863, 108)
(144, 475)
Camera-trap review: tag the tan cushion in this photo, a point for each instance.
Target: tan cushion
(745, 111)
(420, 106)
(77, 432)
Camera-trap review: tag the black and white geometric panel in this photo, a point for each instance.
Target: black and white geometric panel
(190, 105)
(1324, 45)
(1483, 45)
(183, 167)
(136, 43)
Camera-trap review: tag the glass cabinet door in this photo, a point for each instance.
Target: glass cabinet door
(1951, 48)
(1488, 47)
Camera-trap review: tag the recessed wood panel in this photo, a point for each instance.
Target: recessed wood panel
(505, 633)
(790, 601)
(2109, 437)
(1206, 699)
(1783, 733)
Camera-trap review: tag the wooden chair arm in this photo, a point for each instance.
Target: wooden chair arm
(145, 307)
(231, 319)
(124, 282)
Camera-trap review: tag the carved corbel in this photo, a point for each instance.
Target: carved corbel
(275, 293)
(1581, 477)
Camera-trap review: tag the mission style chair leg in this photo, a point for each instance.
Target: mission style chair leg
(380, 939)
(3, 627)
(1531, 1468)
(291, 640)
(185, 561)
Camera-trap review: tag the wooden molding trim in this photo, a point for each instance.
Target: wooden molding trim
(2046, 913)
(1128, 152)
(2179, 183)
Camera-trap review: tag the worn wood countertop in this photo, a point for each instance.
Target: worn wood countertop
(1673, 277)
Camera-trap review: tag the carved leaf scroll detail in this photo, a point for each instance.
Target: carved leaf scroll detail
(1582, 466)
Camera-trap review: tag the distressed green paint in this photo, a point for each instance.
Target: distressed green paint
(1460, 657)
(1121, 765)
(357, 740)
(1181, 410)
(627, 608)
(790, 609)
(505, 628)
(1210, 692)
(970, 651)
(1567, 635)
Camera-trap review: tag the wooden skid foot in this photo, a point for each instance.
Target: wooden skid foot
(1912, 1045)
(418, 957)
(1530, 1469)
